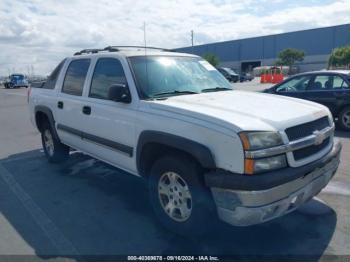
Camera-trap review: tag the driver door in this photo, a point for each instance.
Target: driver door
(295, 87)
(108, 126)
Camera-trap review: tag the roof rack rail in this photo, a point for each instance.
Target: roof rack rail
(88, 51)
(117, 48)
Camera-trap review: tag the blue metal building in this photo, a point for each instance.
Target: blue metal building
(245, 54)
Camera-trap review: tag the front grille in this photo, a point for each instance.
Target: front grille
(306, 129)
(310, 150)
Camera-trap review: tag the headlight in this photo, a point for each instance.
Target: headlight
(253, 166)
(260, 139)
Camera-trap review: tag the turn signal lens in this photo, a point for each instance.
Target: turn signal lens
(245, 141)
(249, 166)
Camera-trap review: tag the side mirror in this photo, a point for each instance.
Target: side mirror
(119, 93)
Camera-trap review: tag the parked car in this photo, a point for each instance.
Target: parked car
(16, 80)
(245, 76)
(229, 74)
(173, 120)
(330, 88)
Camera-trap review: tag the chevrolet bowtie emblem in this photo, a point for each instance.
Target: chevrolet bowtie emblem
(319, 137)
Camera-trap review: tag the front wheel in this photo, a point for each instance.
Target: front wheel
(54, 150)
(178, 196)
(344, 119)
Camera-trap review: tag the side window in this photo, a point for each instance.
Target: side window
(108, 72)
(296, 84)
(52, 79)
(75, 77)
(322, 82)
(339, 83)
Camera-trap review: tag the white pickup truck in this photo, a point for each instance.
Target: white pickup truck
(203, 148)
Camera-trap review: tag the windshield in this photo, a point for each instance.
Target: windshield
(229, 70)
(17, 77)
(166, 76)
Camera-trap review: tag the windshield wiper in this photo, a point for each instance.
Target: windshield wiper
(216, 89)
(175, 92)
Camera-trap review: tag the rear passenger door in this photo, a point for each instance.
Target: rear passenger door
(341, 92)
(328, 90)
(108, 126)
(70, 102)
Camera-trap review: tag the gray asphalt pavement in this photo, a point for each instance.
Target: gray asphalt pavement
(85, 207)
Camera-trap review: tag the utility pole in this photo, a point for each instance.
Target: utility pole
(192, 39)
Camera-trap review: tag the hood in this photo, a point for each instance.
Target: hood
(244, 110)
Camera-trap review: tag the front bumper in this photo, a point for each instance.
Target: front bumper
(242, 205)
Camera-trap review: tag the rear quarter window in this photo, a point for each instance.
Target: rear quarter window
(52, 79)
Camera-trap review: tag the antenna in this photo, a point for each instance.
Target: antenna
(145, 42)
(144, 35)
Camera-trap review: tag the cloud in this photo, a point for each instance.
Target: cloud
(41, 33)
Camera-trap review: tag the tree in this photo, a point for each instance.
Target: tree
(340, 57)
(289, 56)
(212, 59)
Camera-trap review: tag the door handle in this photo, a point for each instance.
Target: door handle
(86, 110)
(60, 104)
(339, 95)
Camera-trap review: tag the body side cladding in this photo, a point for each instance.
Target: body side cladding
(200, 152)
(98, 140)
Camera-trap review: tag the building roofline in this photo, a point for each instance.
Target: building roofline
(262, 36)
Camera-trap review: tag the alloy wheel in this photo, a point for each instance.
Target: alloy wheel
(346, 119)
(175, 196)
(48, 142)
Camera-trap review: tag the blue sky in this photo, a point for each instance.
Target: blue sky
(39, 34)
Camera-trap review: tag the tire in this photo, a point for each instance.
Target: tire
(54, 150)
(344, 119)
(187, 194)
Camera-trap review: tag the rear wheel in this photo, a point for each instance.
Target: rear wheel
(344, 119)
(178, 196)
(54, 150)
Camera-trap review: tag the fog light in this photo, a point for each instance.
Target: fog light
(252, 166)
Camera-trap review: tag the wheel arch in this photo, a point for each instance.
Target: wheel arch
(153, 144)
(42, 114)
(341, 108)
